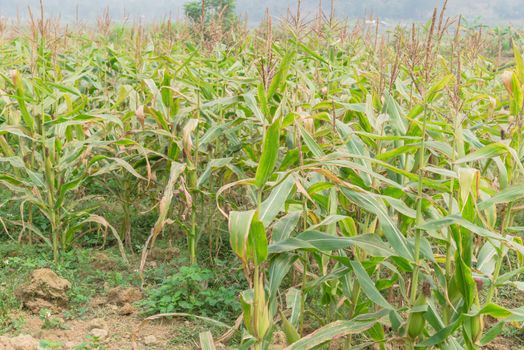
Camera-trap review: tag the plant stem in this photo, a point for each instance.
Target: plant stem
(192, 237)
(418, 232)
(500, 254)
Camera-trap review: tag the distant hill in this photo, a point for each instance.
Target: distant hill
(487, 10)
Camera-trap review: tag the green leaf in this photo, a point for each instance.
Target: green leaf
(368, 287)
(257, 245)
(263, 101)
(239, 227)
(311, 143)
(519, 65)
(338, 329)
(212, 165)
(492, 333)
(278, 269)
(278, 82)
(490, 151)
(437, 87)
(252, 105)
(284, 226)
(438, 224)
(441, 335)
(310, 52)
(324, 242)
(289, 330)
(392, 108)
(269, 155)
(510, 194)
(492, 310)
(397, 240)
(206, 341)
(270, 208)
(294, 301)
(247, 236)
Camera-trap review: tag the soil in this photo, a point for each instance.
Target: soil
(115, 331)
(121, 296)
(44, 290)
(503, 344)
(110, 323)
(163, 254)
(101, 261)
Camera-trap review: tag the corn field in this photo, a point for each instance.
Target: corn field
(373, 172)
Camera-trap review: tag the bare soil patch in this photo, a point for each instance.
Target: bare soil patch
(105, 327)
(44, 290)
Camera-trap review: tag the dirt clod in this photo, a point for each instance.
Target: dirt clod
(24, 342)
(149, 340)
(126, 309)
(101, 261)
(5, 343)
(45, 289)
(163, 254)
(279, 341)
(99, 333)
(121, 296)
(96, 323)
(97, 302)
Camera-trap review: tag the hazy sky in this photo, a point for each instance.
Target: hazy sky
(488, 10)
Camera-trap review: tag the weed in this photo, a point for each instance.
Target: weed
(194, 290)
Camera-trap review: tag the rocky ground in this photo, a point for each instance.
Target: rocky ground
(114, 323)
(109, 331)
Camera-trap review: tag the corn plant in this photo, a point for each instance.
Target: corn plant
(383, 194)
(50, 147)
